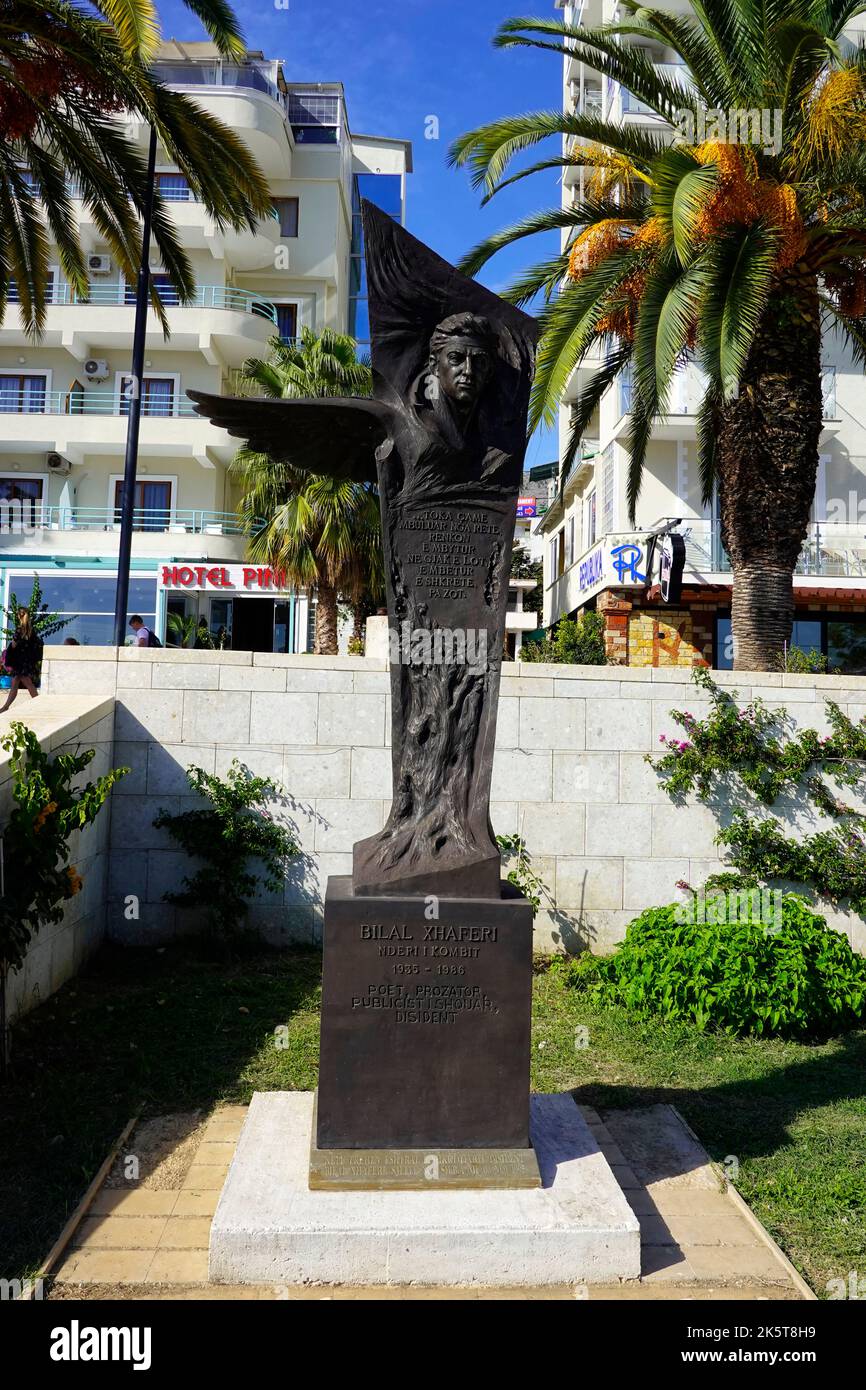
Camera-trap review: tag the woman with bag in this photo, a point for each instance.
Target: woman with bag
(23, 658)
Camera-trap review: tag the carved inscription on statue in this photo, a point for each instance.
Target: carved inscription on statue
(428, 975)
(451, 550)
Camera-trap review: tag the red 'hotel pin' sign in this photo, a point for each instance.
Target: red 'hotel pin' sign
(235, 578)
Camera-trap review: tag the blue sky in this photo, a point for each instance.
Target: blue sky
(402, 61)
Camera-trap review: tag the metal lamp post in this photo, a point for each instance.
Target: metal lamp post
(130, 466)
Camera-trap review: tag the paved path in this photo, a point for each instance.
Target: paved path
(698, 1240)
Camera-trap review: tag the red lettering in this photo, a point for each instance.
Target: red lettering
(249, 578)
(213, 578)
(200, 573)
(185, 576)
(169, 575)
(225, 581)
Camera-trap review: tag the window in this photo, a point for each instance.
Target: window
(386, 191)
(590, 519)
(20, 501)
(560, 552)
(51, 292)
(315, 117)
(569, 542)
(89, 601)
(152, 507)
(607, 495)
(161, 283)
(174, 188)
(807, 634)
(846, 644)
(288, 213)
(22, 395)
(287, 321)
(157, 395)
(553, 558)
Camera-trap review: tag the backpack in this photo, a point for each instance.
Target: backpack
(153, 640)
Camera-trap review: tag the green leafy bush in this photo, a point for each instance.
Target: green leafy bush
(49, 803)
(795, 979)
(237, 827)
(797, 661)
(577, 642)
(760, 756)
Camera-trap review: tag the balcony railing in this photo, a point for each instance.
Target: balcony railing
(80, 402)
(831, 550)
(117, 292)
(217, 74)
(674, 72)
(686, 392)
(35, 516)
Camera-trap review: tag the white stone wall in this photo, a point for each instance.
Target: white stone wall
(57, 952)
(569, 775)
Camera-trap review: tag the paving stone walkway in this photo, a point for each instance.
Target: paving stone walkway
(698, 1241)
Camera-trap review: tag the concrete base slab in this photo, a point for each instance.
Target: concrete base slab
(270, 1228)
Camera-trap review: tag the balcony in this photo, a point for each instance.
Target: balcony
(78, 423)
(831, 551)
(217, 73)
(119, 293)
(225, 324)
(245, 250)
(621, 102)
(684, 400)
(77, 401)
(167, 533)
(247, 98)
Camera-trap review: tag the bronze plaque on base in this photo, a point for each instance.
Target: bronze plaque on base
(419, 1170)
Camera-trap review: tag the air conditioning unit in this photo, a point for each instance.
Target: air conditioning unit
(58, 464)
(99, 265)
(96, 369)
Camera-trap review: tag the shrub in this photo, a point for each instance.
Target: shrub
(759, 755)
(225, 836)
(795, 979)
(797, 661)
(38, 880)
(578, 642)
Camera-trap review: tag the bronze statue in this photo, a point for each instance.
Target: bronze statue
(444, 439)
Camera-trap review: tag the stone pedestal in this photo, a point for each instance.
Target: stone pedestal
(270, 1228)
(425, 1022)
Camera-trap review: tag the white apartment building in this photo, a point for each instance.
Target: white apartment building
(62, 402)
(593, 557)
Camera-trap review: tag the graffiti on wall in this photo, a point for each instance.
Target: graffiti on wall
(667, 639)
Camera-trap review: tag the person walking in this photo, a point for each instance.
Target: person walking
(23, 657)
(142, 636)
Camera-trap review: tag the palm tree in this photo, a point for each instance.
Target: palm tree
(321, 532)
(714, 248)
(65, 75)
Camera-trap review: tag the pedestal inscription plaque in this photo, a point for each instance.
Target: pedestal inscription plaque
(425, 1023)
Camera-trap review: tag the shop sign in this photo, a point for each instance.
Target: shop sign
(236, 579)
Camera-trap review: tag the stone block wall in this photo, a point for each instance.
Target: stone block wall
(569, 775)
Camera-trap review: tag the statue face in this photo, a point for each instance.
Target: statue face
(463, 369)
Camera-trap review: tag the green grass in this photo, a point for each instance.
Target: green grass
(169, 1031)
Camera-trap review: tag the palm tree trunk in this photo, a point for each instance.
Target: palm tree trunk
(767, 465)
(326, 620)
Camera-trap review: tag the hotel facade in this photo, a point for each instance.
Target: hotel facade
(63, 400)
(594, 558)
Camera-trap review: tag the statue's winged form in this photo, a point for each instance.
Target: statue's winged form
(444, 438)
